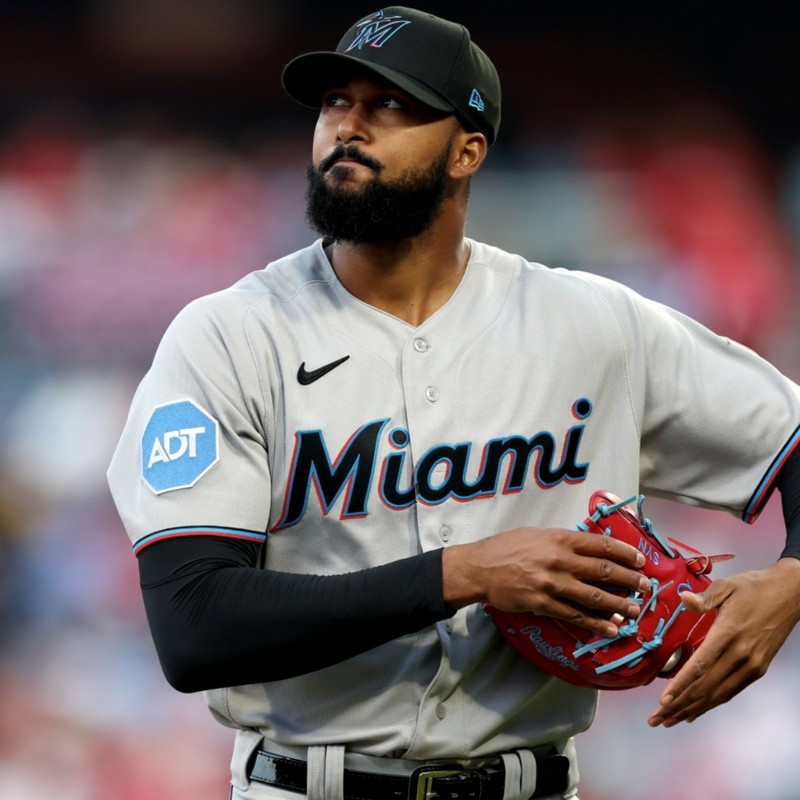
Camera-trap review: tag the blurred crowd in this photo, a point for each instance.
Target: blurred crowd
(106, 230)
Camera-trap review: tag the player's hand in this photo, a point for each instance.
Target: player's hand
(756, 612)
(549, 571)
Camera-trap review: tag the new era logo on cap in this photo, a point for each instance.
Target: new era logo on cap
(376, 30)
(476, 101)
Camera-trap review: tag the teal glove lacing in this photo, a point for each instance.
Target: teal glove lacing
(631, 627)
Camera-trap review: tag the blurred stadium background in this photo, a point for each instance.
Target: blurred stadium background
(148, 155)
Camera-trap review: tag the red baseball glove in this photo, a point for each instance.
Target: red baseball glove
(654, 644)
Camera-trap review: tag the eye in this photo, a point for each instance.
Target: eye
(334, 100)
(390, 101)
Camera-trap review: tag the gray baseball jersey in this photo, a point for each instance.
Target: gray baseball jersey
(284, 409)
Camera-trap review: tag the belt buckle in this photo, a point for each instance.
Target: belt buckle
(422, 778)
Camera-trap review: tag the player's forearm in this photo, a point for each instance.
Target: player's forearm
(789, 485)
(216, 620)
(461, 576)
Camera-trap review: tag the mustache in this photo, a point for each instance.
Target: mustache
(350, 153)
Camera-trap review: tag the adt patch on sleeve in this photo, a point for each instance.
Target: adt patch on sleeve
(179, 445)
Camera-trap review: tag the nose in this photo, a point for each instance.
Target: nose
(353, 126)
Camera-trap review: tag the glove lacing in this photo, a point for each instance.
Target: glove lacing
(631, 628)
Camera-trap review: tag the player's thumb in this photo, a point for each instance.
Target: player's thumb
(701, 602)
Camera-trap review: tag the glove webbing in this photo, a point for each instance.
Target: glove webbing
(605, 510)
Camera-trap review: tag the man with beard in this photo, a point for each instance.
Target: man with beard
(380, 211)
(331, 466)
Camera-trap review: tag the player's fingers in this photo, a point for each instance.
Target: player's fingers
(710, 652)
(596, 598)
(607, 547)
(687, 685)
(711, 598)
(686, 699)
(600, 625)
(697, 603)
(706, 696)
(608, 573)
(705, 676)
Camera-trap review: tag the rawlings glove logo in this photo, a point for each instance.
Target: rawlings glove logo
(549, 651)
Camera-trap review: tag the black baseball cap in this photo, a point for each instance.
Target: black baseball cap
(432, 59)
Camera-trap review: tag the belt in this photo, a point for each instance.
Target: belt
(444, 781)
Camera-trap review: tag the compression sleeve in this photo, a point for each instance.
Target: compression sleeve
(217, 619)
(788, 483)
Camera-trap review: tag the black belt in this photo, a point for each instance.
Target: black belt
(443, 781)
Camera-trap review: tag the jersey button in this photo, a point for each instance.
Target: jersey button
(420, 345)
(441, 711)
(445, 533)
(432, 393)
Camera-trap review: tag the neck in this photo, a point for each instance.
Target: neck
(410, 279)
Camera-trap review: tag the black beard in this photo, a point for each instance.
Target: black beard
(380, 211)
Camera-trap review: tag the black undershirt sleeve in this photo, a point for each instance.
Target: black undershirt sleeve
(789, 485)
(218, 619)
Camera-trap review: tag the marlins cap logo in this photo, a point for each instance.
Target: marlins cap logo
(376, 30)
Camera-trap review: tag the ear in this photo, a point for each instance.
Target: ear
(468, 151)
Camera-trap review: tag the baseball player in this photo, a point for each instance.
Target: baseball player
(332, 465)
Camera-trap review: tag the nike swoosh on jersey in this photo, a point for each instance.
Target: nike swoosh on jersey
(309, 376)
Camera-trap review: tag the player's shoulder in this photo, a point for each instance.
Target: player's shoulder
(279, 282)
(285, 278)
(536, 276)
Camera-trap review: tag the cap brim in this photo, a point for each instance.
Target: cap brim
(307, 77)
